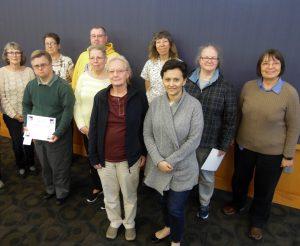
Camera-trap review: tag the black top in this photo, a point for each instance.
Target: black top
(136, 108)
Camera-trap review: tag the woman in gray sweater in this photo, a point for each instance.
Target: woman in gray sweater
(172, 132)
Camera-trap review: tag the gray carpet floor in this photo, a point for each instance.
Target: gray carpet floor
(27, 220)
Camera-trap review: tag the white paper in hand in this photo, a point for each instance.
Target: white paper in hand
(27, 138)
(213, 161)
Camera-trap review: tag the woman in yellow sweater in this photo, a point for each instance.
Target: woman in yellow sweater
(89, 83)
(266, 139)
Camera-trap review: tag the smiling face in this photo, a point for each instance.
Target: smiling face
(51, 46)
(162, 46)
(97, 60)
(14, 56)
(270, 67)
(118, 73)
(98, 36)
(209, 59)
(173, 82)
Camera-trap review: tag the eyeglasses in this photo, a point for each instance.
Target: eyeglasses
(117, 71)
(97, 58)
(40, 66)
(207, 58)
(98, 36)
(50, 44)
(14, 53)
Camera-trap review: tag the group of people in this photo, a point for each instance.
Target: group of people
(171, 129)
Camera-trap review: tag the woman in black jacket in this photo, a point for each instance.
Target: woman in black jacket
(116, 146)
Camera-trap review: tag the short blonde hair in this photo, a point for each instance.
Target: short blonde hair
(40, 53)
(97, 47)
(125, 62)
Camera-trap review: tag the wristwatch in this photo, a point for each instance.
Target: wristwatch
(288, 158)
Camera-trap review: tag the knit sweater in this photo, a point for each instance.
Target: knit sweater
(12, 85)
(173, 136)
(55, 99)
(83, 60)
(86, 88)
(270, 122)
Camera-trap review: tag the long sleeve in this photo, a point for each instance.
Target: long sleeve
(193, 138)
(229, 119)
(68, 100)
(145, 107)
(79, 67)
(292, 119)
(79, 119)
(7, 107)
(149, 139)
(27, 103)
(93, 134)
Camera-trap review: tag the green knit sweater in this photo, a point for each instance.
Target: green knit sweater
(270, 122)
(56, 99)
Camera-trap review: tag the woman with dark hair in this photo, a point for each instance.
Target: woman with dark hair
(172, 132)
(62, 66)
(218, 100)
(266, 139)
(13, 79)
(116, 145)
(161, 49)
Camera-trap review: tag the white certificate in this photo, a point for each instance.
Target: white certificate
(40, 127)
(213, 161)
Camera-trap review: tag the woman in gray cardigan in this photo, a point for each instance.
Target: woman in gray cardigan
(172, 132)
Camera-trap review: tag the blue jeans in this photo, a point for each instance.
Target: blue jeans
(173, 204)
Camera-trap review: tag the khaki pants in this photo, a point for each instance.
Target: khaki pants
(115, 177)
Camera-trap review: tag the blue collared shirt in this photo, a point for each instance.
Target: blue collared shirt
(195, 78)
(276, 88)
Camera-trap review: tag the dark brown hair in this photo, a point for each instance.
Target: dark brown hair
(273, 53)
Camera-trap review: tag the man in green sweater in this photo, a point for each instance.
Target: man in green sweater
(50, 96)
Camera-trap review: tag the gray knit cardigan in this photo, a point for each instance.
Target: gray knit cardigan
(173, 138)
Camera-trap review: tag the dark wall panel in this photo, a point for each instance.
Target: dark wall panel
(242, 28)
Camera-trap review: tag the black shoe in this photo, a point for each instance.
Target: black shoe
(60, 201)
(154, 239)
(93, 197)
(47, 196)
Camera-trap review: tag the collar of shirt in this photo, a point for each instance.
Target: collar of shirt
(55, 77)
(195, 76)
(276, 88)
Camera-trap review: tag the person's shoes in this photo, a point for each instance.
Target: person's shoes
(155, 239)
(33, 170)
(203, 212)
(130, 234)
(1, 184)
(22, 173)
(47, 196)
(231, 210)
(255, 233)
(60, 201)
(111, 232)
(93, 197)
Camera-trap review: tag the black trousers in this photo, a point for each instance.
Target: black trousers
(24, 154)
(267, 171)
(96, 182)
